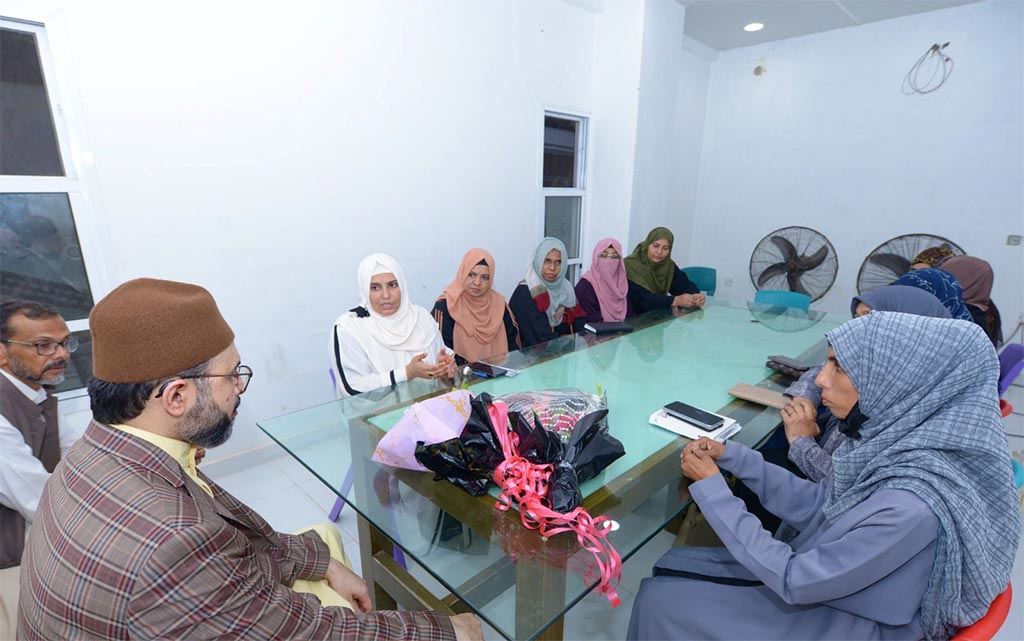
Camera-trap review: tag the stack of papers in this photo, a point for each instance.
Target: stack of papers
(664, 420)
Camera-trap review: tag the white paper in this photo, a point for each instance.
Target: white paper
(664, 420)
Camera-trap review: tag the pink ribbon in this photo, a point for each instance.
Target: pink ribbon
(526, 484)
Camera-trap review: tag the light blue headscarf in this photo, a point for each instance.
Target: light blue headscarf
(928, 388)
(940, 284)
(561, 295)
(901, 298)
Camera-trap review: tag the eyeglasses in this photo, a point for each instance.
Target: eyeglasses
(49, 348)
(240, 377)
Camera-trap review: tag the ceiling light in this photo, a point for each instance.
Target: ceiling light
(753, 26)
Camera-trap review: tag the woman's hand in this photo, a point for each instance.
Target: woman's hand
(697, 464)
(446, 359)
(689, 300)
(800, 418)
(711, 447)
(351, 587)
(418, 367)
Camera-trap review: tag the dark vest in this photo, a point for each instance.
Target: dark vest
(38, 425)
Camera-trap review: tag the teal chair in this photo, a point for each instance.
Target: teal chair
(705, 278)
(782, 298)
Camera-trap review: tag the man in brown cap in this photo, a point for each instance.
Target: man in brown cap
(132, 541)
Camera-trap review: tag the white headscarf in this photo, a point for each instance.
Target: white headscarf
(410, 328)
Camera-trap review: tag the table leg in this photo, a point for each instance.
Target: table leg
(371, 541)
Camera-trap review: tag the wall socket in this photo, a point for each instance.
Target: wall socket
(1013, 240)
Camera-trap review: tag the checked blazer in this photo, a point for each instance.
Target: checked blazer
(126, 546)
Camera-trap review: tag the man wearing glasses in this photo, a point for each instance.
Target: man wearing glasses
(132, 541)
(34, 348)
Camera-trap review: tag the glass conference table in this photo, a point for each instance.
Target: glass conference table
(462, 554)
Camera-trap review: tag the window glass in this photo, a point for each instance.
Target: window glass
(28, 142)
(562, 221)
(560, 135)
(40, 256)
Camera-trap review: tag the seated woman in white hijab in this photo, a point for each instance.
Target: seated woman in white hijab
(911, 537)
(387, 339)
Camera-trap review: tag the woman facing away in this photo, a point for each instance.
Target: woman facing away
(655, 282)
(386, 339)
(975, 277)
(475, 320)
(544, 303)
(941, 285)
(603, 290)
(911, 537)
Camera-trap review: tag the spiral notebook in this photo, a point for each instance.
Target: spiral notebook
(665, 421)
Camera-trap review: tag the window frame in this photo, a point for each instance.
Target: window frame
(581, 191)
(79, 182)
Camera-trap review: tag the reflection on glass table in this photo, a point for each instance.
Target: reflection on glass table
(485, 560)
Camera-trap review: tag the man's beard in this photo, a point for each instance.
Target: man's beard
(22, 372)
(205, 425)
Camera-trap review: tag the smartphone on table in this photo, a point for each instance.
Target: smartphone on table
(695, 416)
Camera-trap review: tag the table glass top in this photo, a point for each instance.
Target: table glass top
(486, 557)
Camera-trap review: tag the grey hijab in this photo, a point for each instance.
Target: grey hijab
(902, 298)
(929, 388)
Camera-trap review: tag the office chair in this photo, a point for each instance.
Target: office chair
(782, 298)
(1011, 362)
(705, 278)
(985, 628)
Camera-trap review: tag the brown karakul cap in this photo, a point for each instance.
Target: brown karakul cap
(147, 329)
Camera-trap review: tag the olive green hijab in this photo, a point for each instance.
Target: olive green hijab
(654, 277)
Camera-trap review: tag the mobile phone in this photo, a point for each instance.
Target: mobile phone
(486, 370)
(790, 362)
(698, 417)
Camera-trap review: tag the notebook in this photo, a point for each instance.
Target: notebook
(761, 395)
(665, 421)
(608, 328)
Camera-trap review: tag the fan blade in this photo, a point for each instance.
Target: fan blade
(788, 251)
(895, 263)
(778, 269)
(807, 263)
(796, 286)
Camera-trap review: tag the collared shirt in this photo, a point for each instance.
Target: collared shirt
(182, 452)
(22, 475)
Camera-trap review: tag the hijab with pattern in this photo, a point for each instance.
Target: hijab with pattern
(933, 430)
(932, 255)
(975, 276)
(608, 277)
(479, 322)
(410, 328)
(561, 293)
(901, 298)
(654, 277)
(940, 284)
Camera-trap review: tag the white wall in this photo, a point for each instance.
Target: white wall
(262, 149)
(670, 129)
(826, 139)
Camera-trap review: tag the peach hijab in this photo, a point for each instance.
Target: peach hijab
(479, 322)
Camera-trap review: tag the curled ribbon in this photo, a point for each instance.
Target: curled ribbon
(526, 484)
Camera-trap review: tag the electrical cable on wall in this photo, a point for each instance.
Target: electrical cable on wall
(940, 63)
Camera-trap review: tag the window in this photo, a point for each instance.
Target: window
(563, 187)
(42, 252)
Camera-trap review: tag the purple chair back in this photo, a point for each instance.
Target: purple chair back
(1011, 362)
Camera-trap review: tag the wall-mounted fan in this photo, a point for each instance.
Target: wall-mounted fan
(799, 259)
(891, 259)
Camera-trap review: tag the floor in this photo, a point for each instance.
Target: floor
(290, 498)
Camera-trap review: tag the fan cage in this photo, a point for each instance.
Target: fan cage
(806, 241)
(875, 272)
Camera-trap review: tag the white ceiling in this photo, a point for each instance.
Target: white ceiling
(719, 23)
